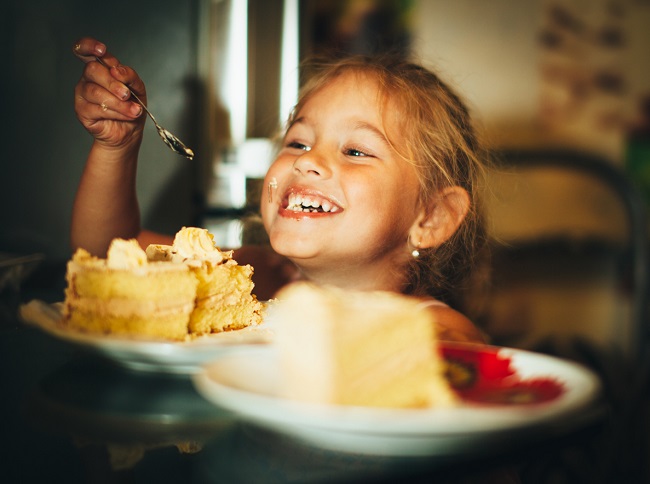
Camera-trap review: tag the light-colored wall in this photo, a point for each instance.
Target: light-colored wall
(490, 52)
(487, 51)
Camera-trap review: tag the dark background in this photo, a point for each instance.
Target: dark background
(43, 145)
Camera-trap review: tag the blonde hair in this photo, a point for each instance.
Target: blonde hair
(437, 137)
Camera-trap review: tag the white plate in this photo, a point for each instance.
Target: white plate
(142, 354)
(247, 383)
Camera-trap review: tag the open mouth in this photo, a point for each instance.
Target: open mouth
(310, 203)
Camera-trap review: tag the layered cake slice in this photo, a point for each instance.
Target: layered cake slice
(358, 348)
(126, 294)
(174, 292)
(224, 299)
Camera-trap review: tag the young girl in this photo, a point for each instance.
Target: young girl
(372, 189)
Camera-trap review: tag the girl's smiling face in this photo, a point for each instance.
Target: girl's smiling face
(345, 200)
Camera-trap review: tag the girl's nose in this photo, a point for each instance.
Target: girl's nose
(311, 163)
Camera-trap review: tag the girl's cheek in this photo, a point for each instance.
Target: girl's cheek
(280, 168)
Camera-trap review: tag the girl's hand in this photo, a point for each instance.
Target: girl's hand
(103, 102)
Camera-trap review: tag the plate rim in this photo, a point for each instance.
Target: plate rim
(303, 414)
(140, 354)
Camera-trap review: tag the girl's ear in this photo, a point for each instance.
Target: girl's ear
(437, 223)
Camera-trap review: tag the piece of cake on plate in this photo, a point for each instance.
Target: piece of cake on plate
(224, 299)
(126, 294)
(374, 349)
(188, 289)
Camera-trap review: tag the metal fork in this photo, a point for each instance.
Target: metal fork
(175, 144)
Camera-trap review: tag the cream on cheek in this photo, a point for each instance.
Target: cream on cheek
(277, 179)
(270, 195)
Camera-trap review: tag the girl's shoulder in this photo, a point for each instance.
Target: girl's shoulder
(432, 303)
(453, 325)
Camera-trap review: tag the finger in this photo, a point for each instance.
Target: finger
(118, 110)
(88, 48)
(108, 109)
(101, 103)
(91, 113)
(95, 73)
(129, 78)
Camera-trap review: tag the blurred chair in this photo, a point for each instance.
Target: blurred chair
(569, 277)
(568, 243)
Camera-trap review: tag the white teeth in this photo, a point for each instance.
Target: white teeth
(306, 203)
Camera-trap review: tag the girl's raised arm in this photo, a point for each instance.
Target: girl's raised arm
(106, 204)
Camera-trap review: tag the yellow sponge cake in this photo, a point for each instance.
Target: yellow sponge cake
(126, 294)
(172, 292)
(224, 298)
(358, 348)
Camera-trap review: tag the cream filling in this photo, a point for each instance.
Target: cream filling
(192, 246)
(192, 243)
(76, 266)
(125, 254)
(126, 308)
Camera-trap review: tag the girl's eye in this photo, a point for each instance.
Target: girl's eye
(298, 145)
(356, 153)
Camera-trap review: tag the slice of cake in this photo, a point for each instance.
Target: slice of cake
(358, 348)
(224, 299)
(174, 292)
(126, 294)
